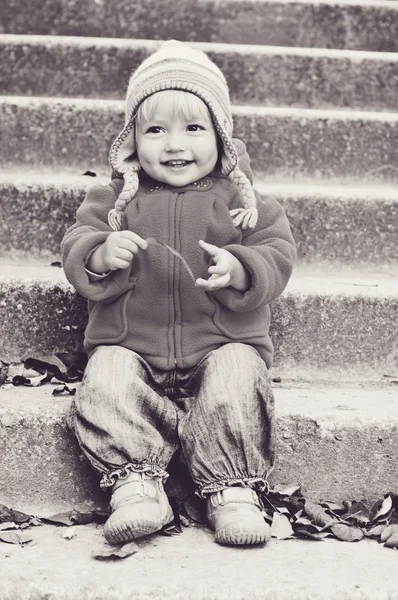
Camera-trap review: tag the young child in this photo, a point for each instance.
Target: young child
(177, 364)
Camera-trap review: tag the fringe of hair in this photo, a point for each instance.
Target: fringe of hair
(185, 104)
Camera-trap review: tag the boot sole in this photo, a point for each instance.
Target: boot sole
(242, 534)
(122, 528)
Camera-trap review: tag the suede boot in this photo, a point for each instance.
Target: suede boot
(139, 507)
(236, 516)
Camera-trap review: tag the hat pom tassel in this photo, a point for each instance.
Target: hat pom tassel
(115, 219)
(244, 217)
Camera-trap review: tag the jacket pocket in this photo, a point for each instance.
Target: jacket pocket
(108, 323)
(240, 325)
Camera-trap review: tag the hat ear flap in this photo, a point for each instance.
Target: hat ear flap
(130, 187)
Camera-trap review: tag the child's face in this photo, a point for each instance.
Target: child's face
(174, 150)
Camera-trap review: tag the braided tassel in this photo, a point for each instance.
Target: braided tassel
(130, 187)
(115, 219)
(248, 215)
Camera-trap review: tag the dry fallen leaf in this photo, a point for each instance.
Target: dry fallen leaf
(392, 541)
(347, 533)
(8, 525)
(317, 537)
(61, 518)
(108, 551)
(388, 532)
(381, 509)
(281, 527)
(64, 390)
(318, 514)
(290, 490)
(69, 533)
(375, 531)
(13, 537)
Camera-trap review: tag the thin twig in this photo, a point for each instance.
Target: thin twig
(177, 254)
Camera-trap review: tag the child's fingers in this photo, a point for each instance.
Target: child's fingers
(209, 248)
(214, 283)
(119, 263)
(127, 245)
(222, 266)
(125, 254)
(135, 238)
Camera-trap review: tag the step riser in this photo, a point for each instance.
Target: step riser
(99, 70)
(47, 470)
(34, 218)
(282, 144)
(326, 228)
(348, 230)
(323, 25)
(310, 331)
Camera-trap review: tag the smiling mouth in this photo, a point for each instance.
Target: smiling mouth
(177, 163)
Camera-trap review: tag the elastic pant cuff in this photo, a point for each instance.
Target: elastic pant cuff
(258, 484)
(110, 478)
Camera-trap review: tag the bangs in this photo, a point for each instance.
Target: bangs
(180, 103)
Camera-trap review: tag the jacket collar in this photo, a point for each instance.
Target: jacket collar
(151, 186)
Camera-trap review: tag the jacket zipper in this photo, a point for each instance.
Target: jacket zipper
(174, 283)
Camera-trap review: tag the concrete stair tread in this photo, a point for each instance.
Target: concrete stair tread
(192, 567)
(363, 24)
(283, 142)
(326, 189)
(347, 426)
(336, 404)
(350, 223)
(47, 175)
(54, 41)
(308, 279)
(344, 114)
(302, 77)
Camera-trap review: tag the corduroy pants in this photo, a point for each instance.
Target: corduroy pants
(128, 416)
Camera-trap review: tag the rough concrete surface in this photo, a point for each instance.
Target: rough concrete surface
(338, 439)
(266, 75)
(191, 566)
(338, 24)
(282, 142)
(340, 319)
(343, 223)
(336, 442)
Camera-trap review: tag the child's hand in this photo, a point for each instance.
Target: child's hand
(116, 252)
(225, 271)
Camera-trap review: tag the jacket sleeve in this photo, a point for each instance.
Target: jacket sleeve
(268, 253)
(90, 230)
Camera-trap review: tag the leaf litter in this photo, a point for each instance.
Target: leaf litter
(289, 514)
(62, 368)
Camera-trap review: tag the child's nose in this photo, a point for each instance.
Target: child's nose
(175, 142)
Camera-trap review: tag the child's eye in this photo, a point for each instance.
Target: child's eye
(154, 129)
(195, 127)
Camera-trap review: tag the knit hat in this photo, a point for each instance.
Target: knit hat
(176, 66)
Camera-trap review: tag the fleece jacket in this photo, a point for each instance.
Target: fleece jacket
(153, 307)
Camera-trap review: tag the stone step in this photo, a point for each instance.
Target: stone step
(191, 566)
(348, 224)
(284, 143)
(350, 429)
(355, 24)
(266, 75)
(330, 318)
